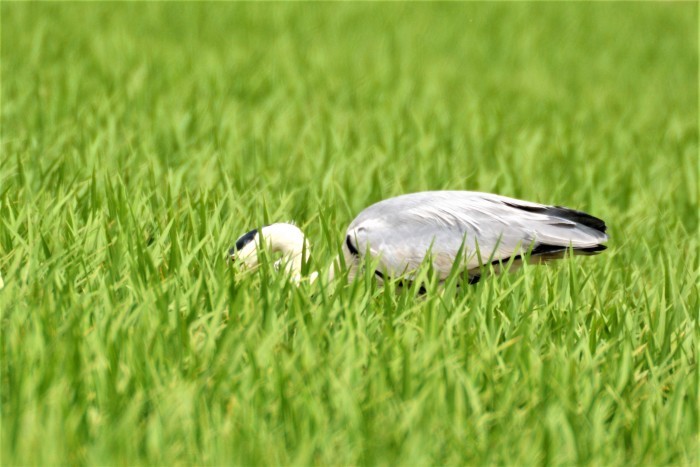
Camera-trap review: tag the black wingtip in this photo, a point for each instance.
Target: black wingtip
(553, 252)
(580, 217)
(593, 249)
(544, 249)
(573, 215)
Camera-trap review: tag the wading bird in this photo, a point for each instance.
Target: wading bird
(442, 227)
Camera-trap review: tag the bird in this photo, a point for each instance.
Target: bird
(472, 228)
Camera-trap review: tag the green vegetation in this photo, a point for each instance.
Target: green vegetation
(140, 140)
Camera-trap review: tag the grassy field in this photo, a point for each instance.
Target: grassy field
(140, 140)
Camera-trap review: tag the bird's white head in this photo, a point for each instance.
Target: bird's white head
(285, 239)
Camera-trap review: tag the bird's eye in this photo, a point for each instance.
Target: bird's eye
(231, 257)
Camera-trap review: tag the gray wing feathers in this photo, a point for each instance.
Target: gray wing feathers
(401, 231)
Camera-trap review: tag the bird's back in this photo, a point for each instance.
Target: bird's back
(401, 231)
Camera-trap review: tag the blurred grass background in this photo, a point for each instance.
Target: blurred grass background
(140, 139)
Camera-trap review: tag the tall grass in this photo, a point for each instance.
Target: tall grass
(139, 140)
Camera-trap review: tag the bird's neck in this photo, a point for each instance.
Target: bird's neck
(290, 241)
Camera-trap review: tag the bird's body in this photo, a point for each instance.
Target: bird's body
(400, 232)
(445, 227)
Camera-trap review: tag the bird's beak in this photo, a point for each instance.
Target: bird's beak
(231, 255)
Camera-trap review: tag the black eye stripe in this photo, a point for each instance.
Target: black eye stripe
(243, 241)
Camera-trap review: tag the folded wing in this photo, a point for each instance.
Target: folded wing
(401, 231)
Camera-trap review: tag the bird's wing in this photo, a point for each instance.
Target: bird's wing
(400, 231)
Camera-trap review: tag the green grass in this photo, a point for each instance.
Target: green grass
(140, 140)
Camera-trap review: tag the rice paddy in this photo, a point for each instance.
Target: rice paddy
(139, 140)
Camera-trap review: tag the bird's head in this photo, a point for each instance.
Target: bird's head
(285, 241)
(246, 249)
